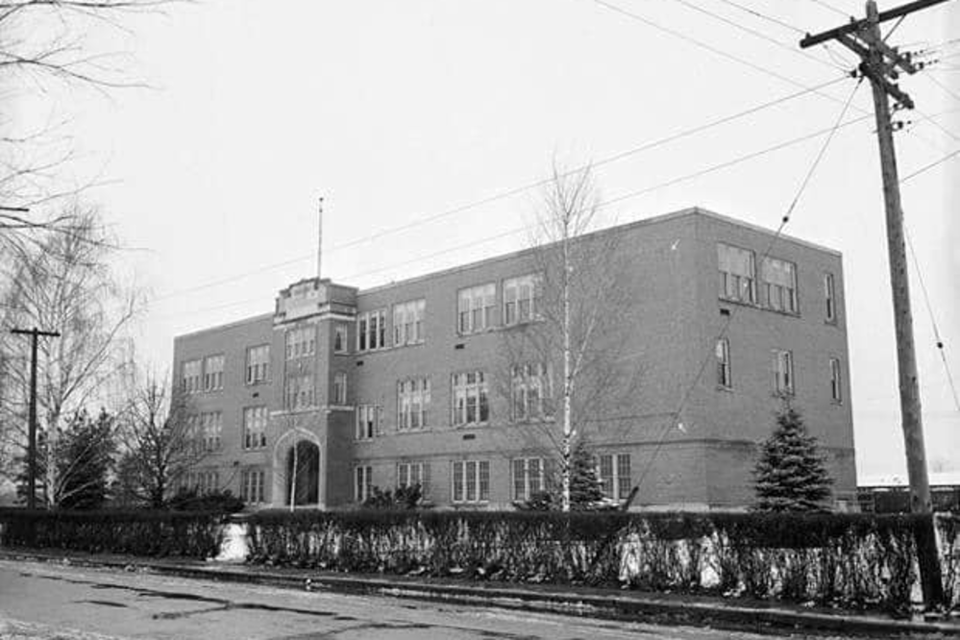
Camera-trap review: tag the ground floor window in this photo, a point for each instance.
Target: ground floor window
(363, 482)
(615, 475)
(412, 473)
(251, 485)
(471, 481)
(527, 478)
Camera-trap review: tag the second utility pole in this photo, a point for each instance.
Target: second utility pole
(32, 441)
(880, 63)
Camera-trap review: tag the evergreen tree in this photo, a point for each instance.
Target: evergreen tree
(585, 487)
(791, 474)
(85, 458)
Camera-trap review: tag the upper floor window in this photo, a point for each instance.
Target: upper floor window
(737, 273)
(780, 284)
(615, 475)
(527, 478)
(470, 402)
(531, 392)
(413, 397)
(212, 428)
(372, 330)
(340, 344)
(408, 322)
(258, 363)
(213, 373)
(190, 382)
(830, 297)
(521, 298)
(413, 473)
(724, 373)
(340, 388)
(836, 388)
(301, 342)
(254, 427)
(475, 308)
(299, 392)
(368, 421)
(783, 372)
(471, 481)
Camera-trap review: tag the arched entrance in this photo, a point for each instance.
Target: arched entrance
(302, 471)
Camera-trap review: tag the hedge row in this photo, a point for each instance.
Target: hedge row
(850, 560)
(142, 533)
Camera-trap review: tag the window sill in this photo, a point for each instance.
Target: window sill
(405, 432)
(782, 312)
(470, 425)
(256, 383)
(721, 387)
(738, 302)
(831, 323)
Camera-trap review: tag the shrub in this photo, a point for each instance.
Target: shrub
(143, 533)
(220, 501)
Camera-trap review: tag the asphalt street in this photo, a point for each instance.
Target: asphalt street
(59, 602)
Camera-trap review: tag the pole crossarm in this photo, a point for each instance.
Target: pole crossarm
(857, 25)
(36, 332)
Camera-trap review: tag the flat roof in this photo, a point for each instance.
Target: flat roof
(227, 325)
(665, 217)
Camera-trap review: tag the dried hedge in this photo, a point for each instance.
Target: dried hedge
(853, 560)
(142, 533)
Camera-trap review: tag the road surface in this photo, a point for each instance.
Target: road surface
(43, 601)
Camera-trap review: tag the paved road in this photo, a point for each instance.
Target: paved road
(56, 602)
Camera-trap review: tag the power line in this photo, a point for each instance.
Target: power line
(762, 16)
(760, 35)
(933, 319)
(606, 203)
(733, 311)
(501, 195)
(926, 168)
(831, 8)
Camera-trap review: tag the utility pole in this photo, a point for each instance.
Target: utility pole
(882, 65)
(32, 445)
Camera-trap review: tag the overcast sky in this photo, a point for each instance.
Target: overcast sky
(396, 112)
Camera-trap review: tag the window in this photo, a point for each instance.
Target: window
(340, 389)
(213, 373)
(299, 392)
(258, 364)
(190, 382)
(212, 425)
(521, 299)
(372, 330)
(340, 344)
(830, 297)
(531, 392)
(527, 478)
(782, 372)
(475, 308)
(368, 421)
(736, 273)
(206, 481)
(195, 432)
(780, 285)
(724, 377)
(251, 485)
(301, 342)
(413, 473)
(836, 390)
(615, 475)
(470, 404)
(408, 322)
(254, 427)
(413, 396)
(363, 483)
(471, 481)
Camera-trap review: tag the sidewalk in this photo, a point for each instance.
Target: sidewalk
(742, 614)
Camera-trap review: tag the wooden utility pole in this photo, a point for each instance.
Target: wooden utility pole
(32, 442)
(882, 64)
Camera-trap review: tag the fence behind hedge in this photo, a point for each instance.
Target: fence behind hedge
(850, 560)
(142, 533)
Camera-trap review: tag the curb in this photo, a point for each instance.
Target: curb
(613, 606)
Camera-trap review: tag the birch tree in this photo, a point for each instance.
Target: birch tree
(562, 368)
(64, 283)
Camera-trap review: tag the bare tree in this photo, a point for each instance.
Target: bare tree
(562, 372)
(159, 443)
(46, 45)
(64, 283)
